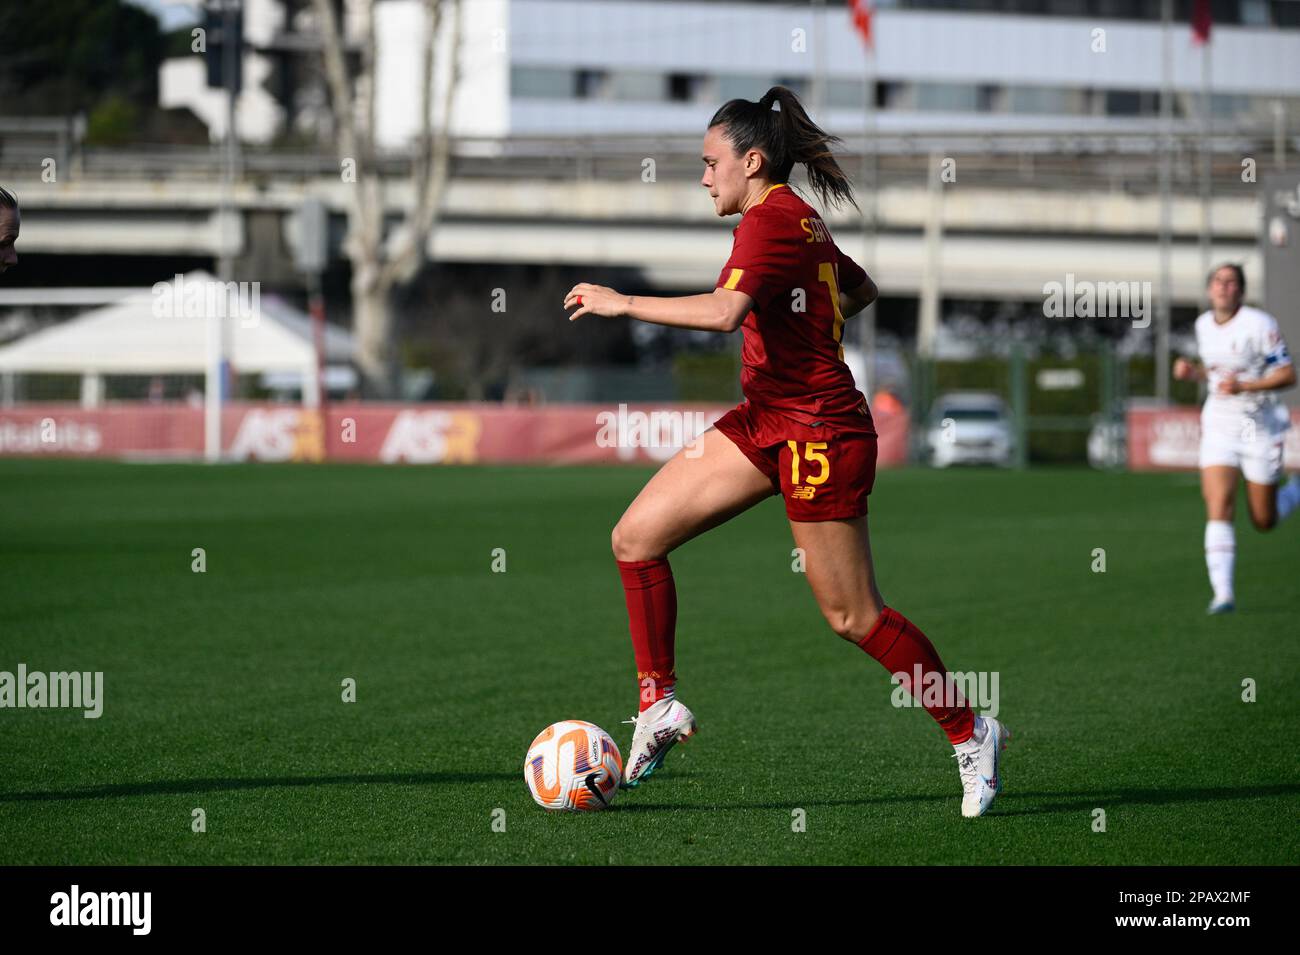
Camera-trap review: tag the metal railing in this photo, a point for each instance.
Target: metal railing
(1102, 159)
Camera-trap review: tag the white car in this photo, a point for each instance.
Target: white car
(971, 427)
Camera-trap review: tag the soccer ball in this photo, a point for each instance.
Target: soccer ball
(573, 765)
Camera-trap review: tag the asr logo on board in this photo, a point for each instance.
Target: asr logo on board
(433, 437)
(279, 434)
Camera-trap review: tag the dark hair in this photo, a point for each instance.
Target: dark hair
(7, 200)
(1241, 275)
(785, 137)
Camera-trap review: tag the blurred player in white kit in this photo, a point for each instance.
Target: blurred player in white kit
(1245, 363)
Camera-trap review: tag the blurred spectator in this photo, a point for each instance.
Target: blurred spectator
(886, 401)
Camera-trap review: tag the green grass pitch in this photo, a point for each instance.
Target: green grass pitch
(223, 689)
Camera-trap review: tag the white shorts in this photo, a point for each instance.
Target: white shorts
(1252, 443)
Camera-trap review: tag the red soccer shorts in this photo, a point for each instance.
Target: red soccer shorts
(824, 472)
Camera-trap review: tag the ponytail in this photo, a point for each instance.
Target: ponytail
(786, 136)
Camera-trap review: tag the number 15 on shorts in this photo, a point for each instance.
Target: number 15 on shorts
(812, 454)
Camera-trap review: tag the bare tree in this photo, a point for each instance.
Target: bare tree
(479, 340)
(381, 262)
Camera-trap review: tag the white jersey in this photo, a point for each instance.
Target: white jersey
(1245, 430)
(1248, 345)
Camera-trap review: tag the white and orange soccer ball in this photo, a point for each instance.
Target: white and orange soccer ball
(573, 765)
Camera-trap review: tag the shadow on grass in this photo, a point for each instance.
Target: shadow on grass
(166, 787)
(1012, 803)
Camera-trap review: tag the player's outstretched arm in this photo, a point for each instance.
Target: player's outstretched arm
(722, 310)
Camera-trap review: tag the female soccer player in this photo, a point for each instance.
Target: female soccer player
(803, 431)
(1243, 425)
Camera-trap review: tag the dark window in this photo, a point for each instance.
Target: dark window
(1286, 14)
(1123, 103)
(685, 87)
(589, 84)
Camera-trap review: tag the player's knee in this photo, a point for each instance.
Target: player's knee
(620, 541)
(841, 622)
(1218, 508)
(852, 625)
(631, 543)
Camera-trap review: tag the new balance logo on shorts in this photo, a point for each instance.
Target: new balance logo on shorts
(803, 492)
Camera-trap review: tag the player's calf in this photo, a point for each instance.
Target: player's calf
(1288, 498)
(1264, 522)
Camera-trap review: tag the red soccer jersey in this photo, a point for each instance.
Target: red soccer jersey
(785, 260)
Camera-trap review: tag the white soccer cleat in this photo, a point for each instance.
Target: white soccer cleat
(659, 728)
(977, 761)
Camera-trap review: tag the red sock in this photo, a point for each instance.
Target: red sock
(652, 618)
(900, 647)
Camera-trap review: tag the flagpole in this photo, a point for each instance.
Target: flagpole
(1164, 312)
(819, 60)
(870, 164)
(1207, 157)
(861, 13)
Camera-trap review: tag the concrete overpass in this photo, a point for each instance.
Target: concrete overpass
(1013, 220)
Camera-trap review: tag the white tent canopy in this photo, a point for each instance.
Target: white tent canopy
(166, 330)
